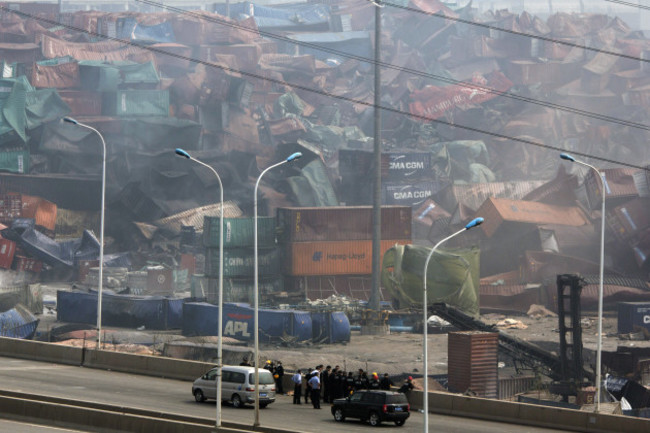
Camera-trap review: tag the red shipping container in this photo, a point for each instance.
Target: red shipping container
(159, 280)
(43, 211)
(11, 207)
(188, 261)
(7, 251)
(27, 264)
(83, 268)
(82, 102)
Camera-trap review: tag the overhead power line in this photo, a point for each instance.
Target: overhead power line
(317, 91)
(634, 5)
(448, 80)
(514, 32)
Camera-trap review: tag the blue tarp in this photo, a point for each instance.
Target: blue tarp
(18, 322)
(130, 29)
(277, 16)
(67, 253)
(330, 327)
(357, 43)
(127, 311)
(200, 318)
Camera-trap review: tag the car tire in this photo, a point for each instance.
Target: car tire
(198, 396)
(338, 415)
(236, 402)
(263, 405)
(374, 419)
(400, 422)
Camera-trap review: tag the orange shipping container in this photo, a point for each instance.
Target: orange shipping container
(498, 211)
(43, 211)
(332, 258)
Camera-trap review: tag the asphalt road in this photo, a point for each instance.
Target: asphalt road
(174, 396)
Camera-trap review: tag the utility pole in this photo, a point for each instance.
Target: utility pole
(373, 302)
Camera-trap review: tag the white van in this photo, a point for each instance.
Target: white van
(238, 386)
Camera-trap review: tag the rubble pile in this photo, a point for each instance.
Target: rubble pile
(476, 109)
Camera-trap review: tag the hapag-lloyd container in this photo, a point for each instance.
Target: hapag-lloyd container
(332, 258)
(341, 223)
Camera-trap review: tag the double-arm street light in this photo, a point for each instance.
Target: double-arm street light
(256, 423)
(425, 396)
(184, 154)
(101, 229)
(599, 349)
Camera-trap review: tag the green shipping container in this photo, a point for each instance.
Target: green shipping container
(240, 262)
(136, 103)
(239, 232)
(241, 289)
(15, 161)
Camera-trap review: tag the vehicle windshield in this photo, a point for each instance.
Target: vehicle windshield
(266, 378)
(397, 398)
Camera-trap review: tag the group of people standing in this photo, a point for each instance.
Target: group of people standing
(328, 384)
(275, 368)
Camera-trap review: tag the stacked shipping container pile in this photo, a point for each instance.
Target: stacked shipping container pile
(239, 259)
(328, 251)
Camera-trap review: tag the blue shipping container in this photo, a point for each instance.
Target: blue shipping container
(152, 312)
(632, 316)
(330, 327)
(202, 318)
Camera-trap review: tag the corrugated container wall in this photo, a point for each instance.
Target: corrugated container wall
(307, 224)
(238, 232)
(473, 362)
(633, 316)
(240, 262)
(332, 258)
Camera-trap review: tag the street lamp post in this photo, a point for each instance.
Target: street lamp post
(183, 153)
(425, 398)
(599, 349)
(101, 229)
(256, 422)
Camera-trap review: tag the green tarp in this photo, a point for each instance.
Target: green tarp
(452, 276)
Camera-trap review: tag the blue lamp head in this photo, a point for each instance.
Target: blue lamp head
(473, 223)
(181, 152)
(70, 120)
(294, 156)
(567, 157)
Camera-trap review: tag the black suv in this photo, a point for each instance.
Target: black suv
(374, 406)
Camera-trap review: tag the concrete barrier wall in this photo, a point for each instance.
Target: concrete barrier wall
(442, 403)
(39, 351)
(146, 365)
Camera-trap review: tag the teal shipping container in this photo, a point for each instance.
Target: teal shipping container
(136, 103)
(240, 262)
(239, 232)
(15, 161)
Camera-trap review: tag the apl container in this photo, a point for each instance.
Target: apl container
(633, 316)
(341, 223)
